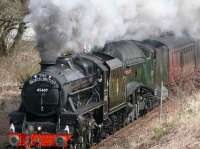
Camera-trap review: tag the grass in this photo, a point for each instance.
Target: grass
(183, 130)
(159, 132)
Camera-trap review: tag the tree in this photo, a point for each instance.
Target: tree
(12, 13)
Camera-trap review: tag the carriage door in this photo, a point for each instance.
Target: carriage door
(116, 84)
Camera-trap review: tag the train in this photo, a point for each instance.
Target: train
(80, 99)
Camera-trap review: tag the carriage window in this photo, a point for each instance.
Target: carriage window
(187, 55)
(190, 55)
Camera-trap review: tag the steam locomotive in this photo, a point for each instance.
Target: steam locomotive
(82, 98)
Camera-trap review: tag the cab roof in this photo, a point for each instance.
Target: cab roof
(128, 51)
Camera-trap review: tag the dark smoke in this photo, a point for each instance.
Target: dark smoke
(50, 38)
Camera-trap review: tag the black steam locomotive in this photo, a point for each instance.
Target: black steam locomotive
(82, 98)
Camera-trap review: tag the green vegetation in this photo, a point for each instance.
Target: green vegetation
(159, 132)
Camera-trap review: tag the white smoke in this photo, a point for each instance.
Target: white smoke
(69, 24)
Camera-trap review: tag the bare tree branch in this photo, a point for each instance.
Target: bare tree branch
(12, 13)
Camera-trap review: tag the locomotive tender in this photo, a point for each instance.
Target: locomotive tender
(82, 98)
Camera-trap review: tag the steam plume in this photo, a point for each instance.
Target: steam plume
(69, 24)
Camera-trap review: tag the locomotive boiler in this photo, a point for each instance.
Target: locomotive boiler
(82, 98)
